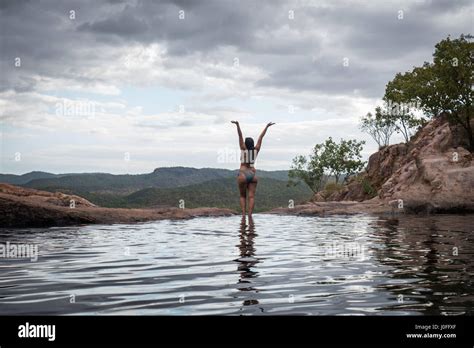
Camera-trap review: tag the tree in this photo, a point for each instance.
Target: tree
(339, 160)
(442, 86)
(344, 159)
(378, 126)
(311, 172)
(402, 118)
(406, 123)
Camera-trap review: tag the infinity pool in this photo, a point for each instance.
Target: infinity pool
(344, 265)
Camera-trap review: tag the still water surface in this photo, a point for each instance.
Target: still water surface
(343, 265)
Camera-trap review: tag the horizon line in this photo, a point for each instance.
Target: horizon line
(165, 167)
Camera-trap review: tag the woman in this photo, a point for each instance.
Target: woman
(247, 179)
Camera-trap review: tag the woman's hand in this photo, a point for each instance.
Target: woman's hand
(270, 124)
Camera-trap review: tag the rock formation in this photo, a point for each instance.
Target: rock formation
(22, 207)
(433, 172)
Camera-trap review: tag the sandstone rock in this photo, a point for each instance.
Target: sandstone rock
(318, 197)
(20, 207)
(433, 172)
(57, 198)
(441, 177)
(373, 206)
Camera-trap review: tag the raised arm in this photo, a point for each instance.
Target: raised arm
(260, 138)
(241, 139)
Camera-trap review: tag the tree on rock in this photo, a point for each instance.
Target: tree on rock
(442, 86)
(378, 126)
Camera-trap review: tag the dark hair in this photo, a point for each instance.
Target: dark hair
(249, 154)
(249, 144)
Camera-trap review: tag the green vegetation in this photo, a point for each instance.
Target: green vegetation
(332, 187)
(339, 160)
(442, 86)
(378, 126)
(309, 171)
(368, 188)
(221, 193)
(126, 184)
(207, 187)
(25, 178)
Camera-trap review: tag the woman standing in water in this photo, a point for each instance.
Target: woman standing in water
(247, 179)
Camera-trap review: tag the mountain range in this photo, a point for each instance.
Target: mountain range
(204, 187)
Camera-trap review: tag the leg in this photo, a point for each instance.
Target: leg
(252, 188)
(242, 183)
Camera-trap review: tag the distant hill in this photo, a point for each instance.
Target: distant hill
(204, 187)
(25, 178)
(220, 193)
(125, 184)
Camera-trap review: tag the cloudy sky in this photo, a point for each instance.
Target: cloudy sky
(128, 86)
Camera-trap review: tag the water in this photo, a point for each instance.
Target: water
(344, 265)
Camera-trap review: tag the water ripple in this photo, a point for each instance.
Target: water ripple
(343, 265)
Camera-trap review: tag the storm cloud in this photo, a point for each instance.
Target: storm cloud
(223, 59)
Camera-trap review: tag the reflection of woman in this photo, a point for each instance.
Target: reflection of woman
(247, 259)
(247, 179)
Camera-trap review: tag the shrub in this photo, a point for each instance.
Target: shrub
(368, 188)
(333, 187)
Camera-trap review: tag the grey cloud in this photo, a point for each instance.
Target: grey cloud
(443, 6)
(12, 5)
(207, 24)
(328, 78)
(122, 25)
(260, 33)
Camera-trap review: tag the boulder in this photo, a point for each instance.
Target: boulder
(433, 172)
